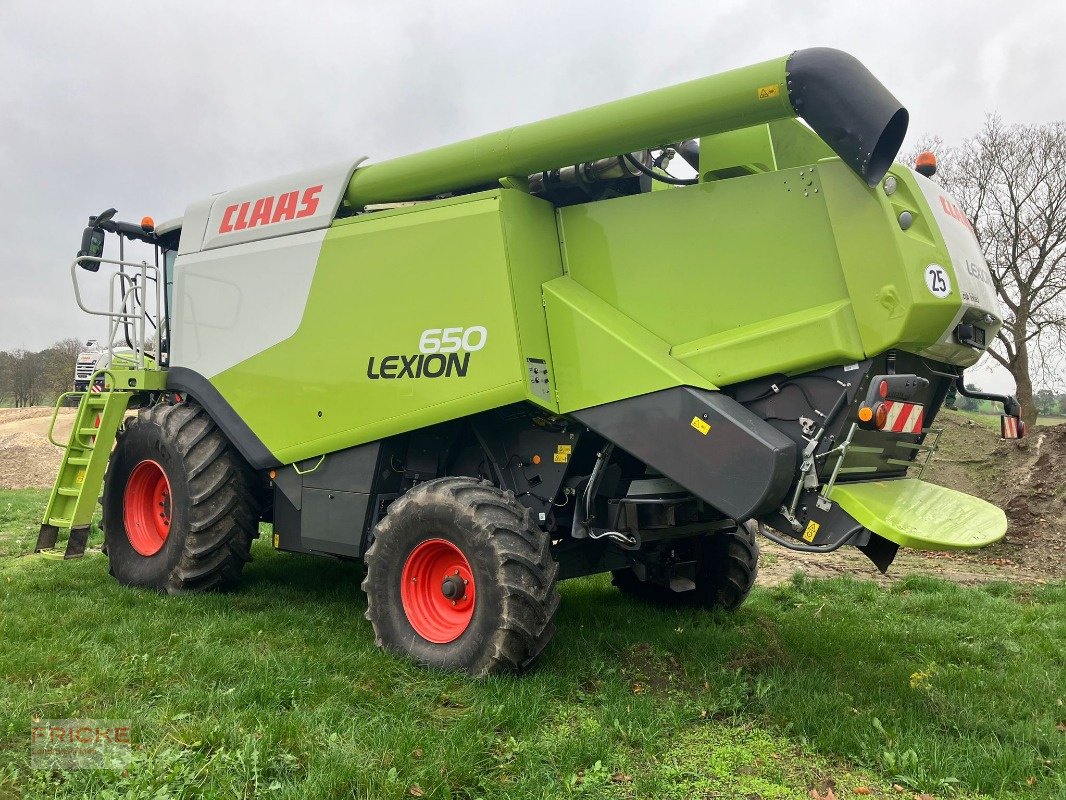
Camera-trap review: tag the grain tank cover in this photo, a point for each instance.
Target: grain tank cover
(296, 203)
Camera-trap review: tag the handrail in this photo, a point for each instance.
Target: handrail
(55, 416)
(126, 291)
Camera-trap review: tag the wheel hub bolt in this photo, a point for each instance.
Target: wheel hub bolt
(453, 587)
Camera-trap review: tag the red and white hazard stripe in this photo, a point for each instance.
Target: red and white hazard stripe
(1009, 427)
(95, 389)
(903, 417)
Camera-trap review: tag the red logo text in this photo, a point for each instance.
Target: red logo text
(268, 210)
(953, 210)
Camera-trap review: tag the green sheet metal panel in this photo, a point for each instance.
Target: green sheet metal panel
(884, 266)
(601, 355)
(382, 280)
(531, 239)
(921, 515)
(723, 272)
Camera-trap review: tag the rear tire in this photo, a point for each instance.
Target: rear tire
(180, 505)
(727, 563)
(487, 593)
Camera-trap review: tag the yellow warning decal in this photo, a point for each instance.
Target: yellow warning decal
(766, 92)
(562, 458)
(701, 426)
(80, 477)
(277, 540)
(565, 448)
(811, 531)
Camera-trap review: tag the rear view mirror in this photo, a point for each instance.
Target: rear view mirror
(92, 245)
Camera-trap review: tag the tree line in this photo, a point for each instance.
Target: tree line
(33, 379)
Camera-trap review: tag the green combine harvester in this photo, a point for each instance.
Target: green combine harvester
(539, 354)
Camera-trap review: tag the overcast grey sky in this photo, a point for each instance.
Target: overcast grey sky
(150, 106)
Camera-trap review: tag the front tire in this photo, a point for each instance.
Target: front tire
(727, 563)
(180, 505)
(459, 577)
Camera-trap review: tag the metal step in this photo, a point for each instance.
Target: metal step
(681, 584)
(68, 492)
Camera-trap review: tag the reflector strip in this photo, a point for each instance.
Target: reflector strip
(1010, 427)
(894, 410)
(904, 417)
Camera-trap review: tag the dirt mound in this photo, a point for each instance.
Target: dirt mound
(1035, 494)
(1026, 478)
(27, 458)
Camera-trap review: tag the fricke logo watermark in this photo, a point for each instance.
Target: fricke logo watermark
(80, 744)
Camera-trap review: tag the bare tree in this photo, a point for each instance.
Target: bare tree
(58, 365)
(7, 377)
(30, 379)
(1011, 182)
(25, 378)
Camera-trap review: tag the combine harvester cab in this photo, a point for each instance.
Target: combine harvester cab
(538, 354)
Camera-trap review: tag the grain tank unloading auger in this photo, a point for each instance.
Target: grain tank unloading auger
(508, 361)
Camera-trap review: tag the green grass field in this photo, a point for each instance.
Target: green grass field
(278, 691)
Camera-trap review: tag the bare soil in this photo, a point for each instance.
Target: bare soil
(1026, 478)
(27, 458)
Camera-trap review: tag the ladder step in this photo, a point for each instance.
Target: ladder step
(89, 431)
(96, 400)
(69, 492)
(59, 522)
(78, 461)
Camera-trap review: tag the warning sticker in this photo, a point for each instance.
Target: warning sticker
(80, 477)
(766, 92)
(701, 426)
(565, 448)
(561, 458)
(811, 531)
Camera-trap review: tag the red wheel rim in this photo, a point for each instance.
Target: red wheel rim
(437, 591)
(146, 508)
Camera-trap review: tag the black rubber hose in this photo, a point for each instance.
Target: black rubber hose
(805, 548)
(670, 179)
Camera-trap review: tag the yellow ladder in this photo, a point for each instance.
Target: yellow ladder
(81, 474)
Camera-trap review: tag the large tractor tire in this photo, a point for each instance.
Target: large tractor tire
(180, 505)
(726, 565)
(459, 577)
